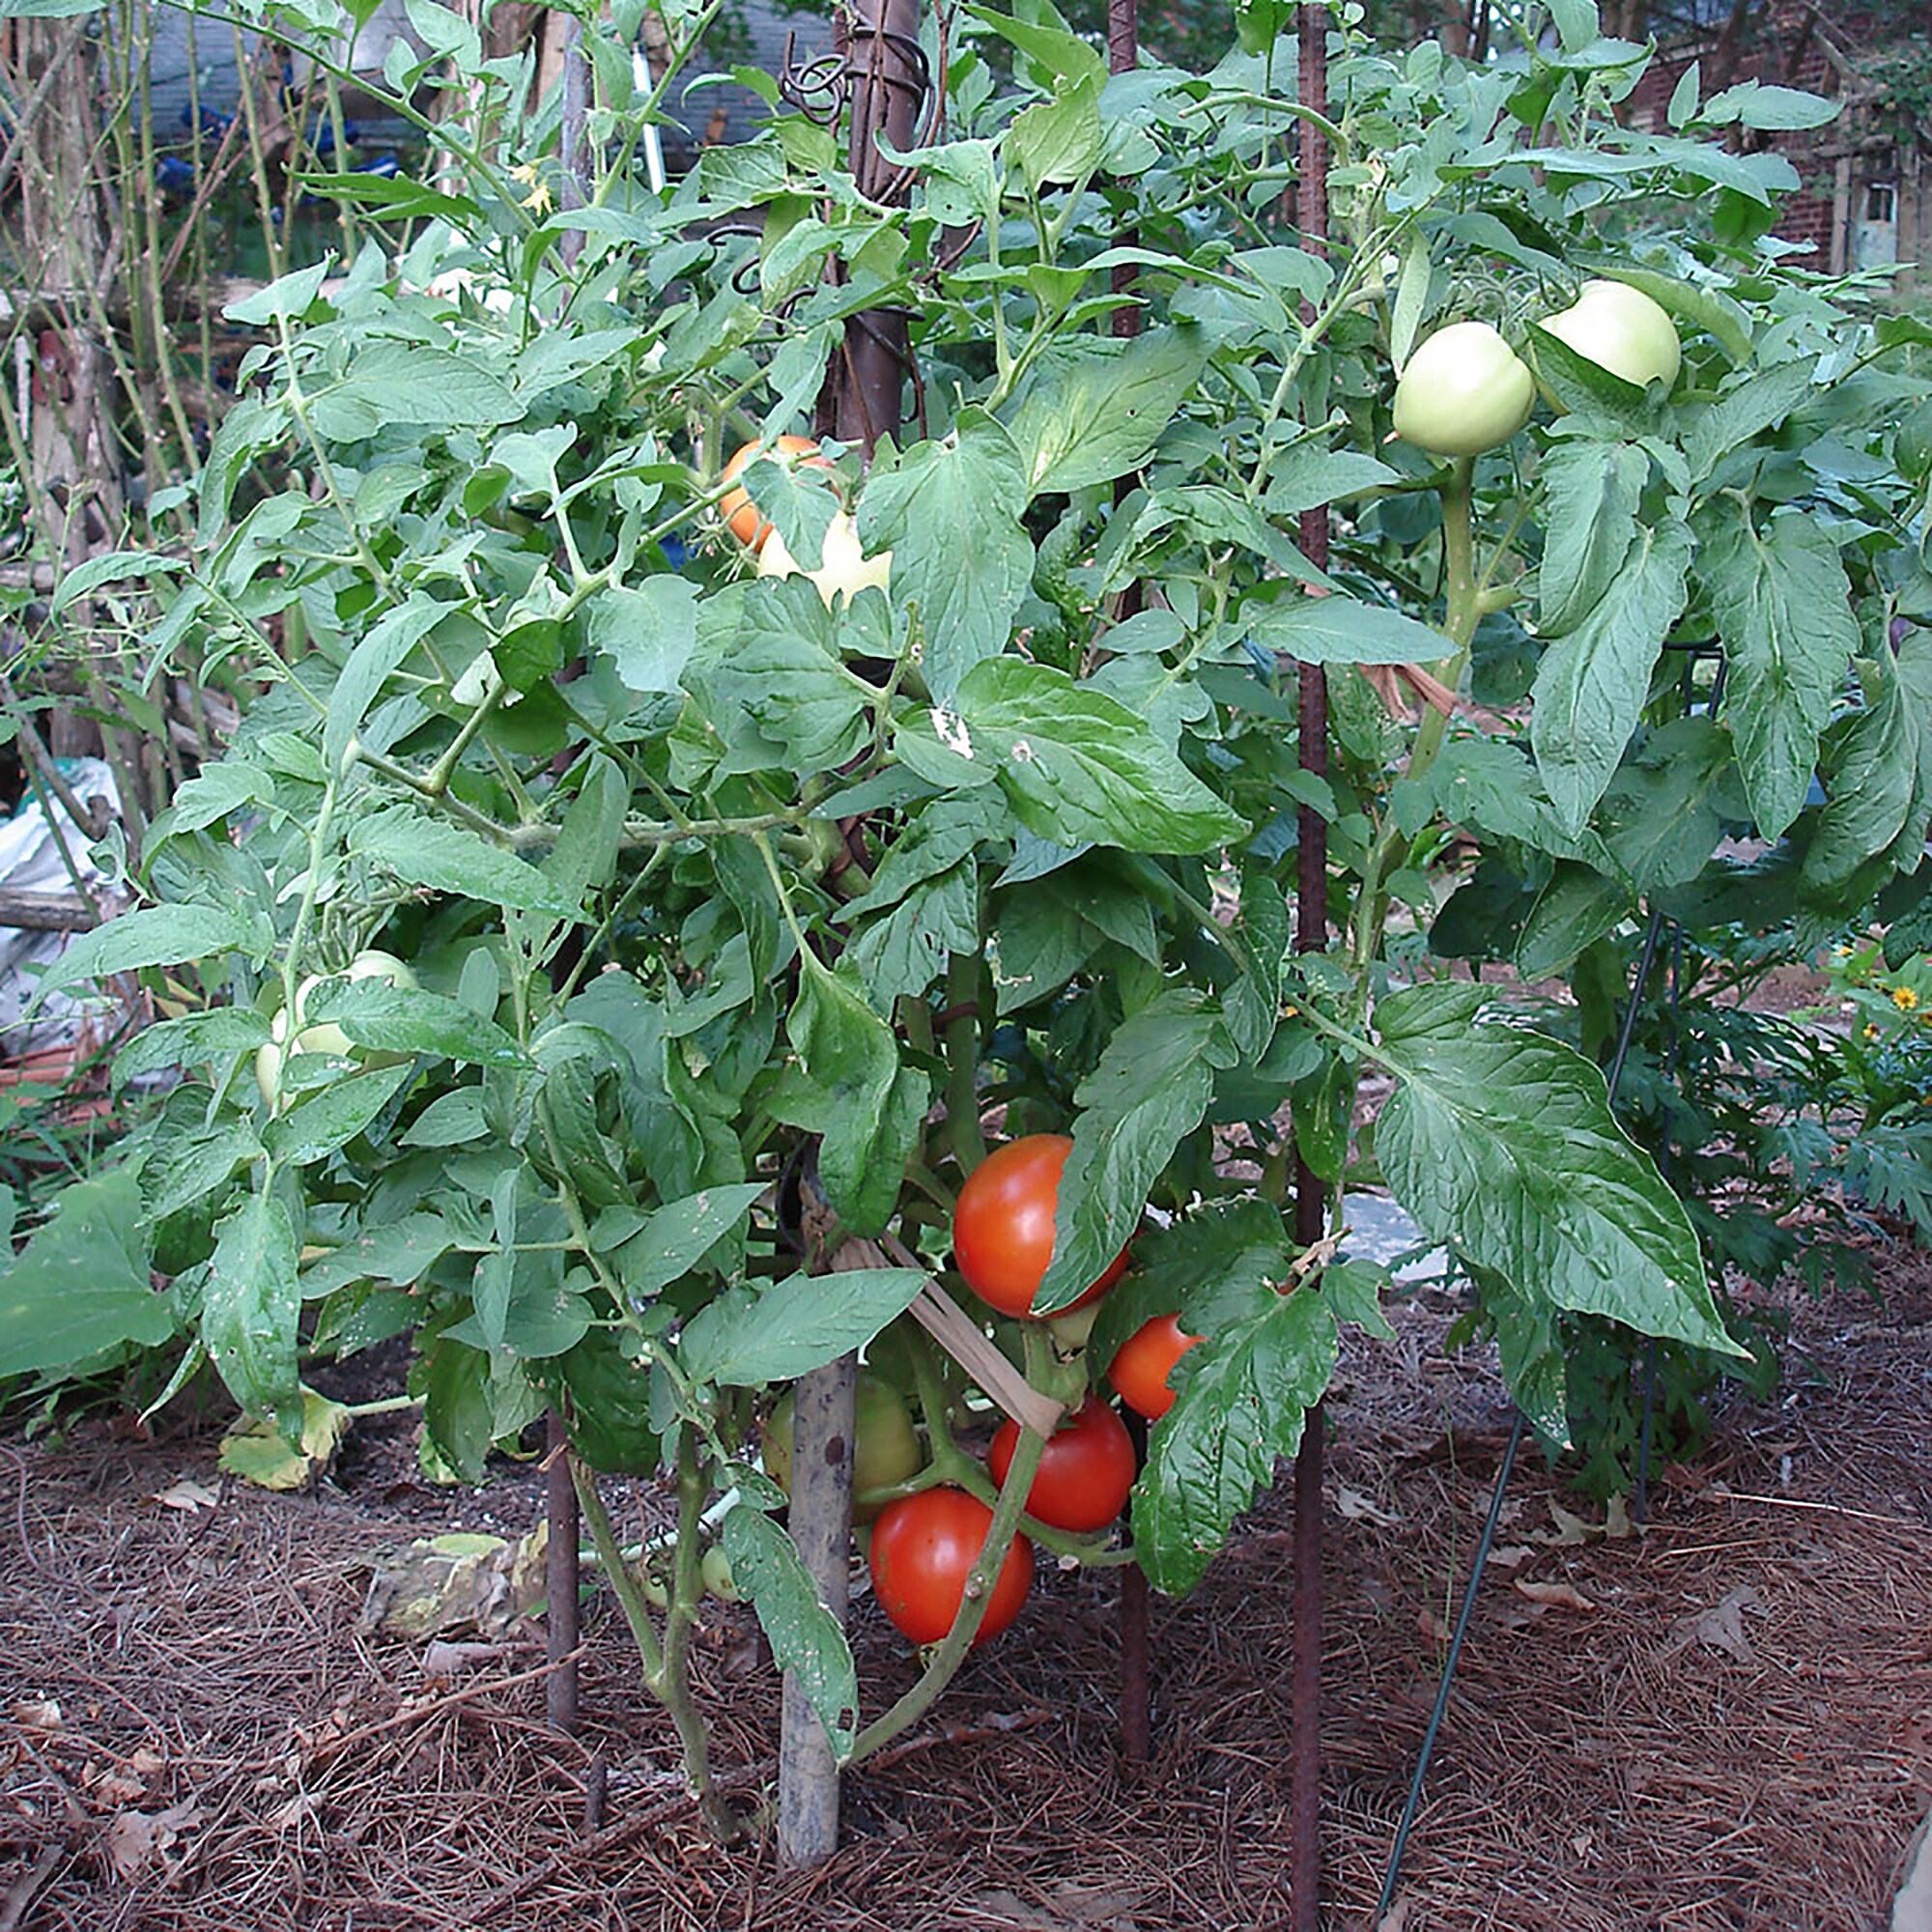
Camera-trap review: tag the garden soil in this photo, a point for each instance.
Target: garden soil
(1719, 1722)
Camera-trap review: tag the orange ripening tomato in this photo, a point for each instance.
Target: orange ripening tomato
(740, 514)
(1146, 1359)
(1003, 1227)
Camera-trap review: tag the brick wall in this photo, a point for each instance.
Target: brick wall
(1813, 214)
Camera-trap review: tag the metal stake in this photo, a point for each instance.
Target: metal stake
(1311, 935)
(564, 1535)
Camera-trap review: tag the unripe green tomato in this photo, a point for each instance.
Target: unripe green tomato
(888, 1450)
(716, 1567)
(1912, 445)
(326, 1037)
(844, 569)
(268, 1062)
(1622, 330)
(1464, 391)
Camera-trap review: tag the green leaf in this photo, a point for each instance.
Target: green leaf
(1244, 1397)
(249, 1306)
(165, 935)
(412, 383)
(1782, 606)
(320, 1122)
(1078, 766)
(678, 1236)
(1150, 1089)
(1591, 684)
(949, 513)
(1775, 110)
(193, 1037)
(117, 567)
(806, 1638)
(387, 644)
(1573, 909)
(423, 851)
(1340, 630)
(744, 1339)
(1667, 807)
(286, 298)
(648, 633)
(1501, 1143)
(1530, 1342)
(1096, 407)
(1060, 139)
(1216, 1268)
(781, 671)
(1743, 410)
(849, 1055)
(905, 949)
(409, 1019)
(1593, 488)
(401, 1251)
(81, 1285)
(1870, 792)
(218, 790)
(188, 1166)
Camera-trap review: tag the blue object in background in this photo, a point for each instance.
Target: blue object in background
(677, 552)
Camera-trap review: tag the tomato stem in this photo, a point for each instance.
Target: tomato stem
(944, 1664)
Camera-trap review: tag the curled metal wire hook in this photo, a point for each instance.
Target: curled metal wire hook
(817, 87)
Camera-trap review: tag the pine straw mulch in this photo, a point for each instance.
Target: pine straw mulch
(1722, 1724)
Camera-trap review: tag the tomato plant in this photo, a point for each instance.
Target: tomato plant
(1004, 1228)
(924, 1549)
(1086, 1469)
(744, 908)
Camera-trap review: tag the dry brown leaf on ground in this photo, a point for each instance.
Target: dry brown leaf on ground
(1722, 1627)
(186, 1495)
(133, 1837)
(1564, 1595)
(1356, 1507)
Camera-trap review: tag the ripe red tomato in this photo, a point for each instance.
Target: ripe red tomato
(923, 1546)
(739, 513)
(1002, 1227)
(1147, 1357)
(1086, 1470)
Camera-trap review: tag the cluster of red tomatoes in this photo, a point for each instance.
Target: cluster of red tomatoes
(924, 1545)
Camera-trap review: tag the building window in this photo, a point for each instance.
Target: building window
(1881, 201)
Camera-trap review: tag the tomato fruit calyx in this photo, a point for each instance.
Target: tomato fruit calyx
(1139, 1370)
(1622, 330)
(1462, 390)
(1002, 1227)
(1086, 1469)
(924, 1550)
(887, 1450)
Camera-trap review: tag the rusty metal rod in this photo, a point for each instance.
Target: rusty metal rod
(560, 1581)
(1311, 935)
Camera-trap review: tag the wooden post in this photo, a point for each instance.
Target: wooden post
(822, 1526)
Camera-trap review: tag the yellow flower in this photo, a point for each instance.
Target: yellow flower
(1288, 1012)
(1871, 1032)
(538, 200)
(1905, 998)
